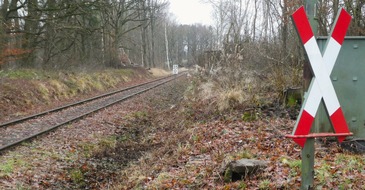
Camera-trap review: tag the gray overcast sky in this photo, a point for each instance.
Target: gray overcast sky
(191, 11)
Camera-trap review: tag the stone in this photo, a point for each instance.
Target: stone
(240, 169)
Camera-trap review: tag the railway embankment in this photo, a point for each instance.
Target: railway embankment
(27, 91)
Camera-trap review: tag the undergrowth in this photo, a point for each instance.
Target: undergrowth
(220, 122)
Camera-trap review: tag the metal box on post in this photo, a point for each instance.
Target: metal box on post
(348, 78)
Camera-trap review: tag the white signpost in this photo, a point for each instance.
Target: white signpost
(175, 69)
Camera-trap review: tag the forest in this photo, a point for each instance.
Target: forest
(58, 34)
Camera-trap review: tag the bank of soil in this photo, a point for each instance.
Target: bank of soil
(23, 92)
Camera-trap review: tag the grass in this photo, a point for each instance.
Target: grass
(231, 98)
(127, 72)
(24, 74)
(183, 148)
(108, 143)
(140, 114)
(249, 116)
(244, 154)
(292, 101)
(294, 165)
(7, 167)
(322, 173)
(44, 92)
(265, 184)
(87, 149)
(42, 154)
(77, 177)
(242, 185)
(59, 88)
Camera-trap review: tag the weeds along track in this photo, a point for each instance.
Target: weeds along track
(20, 130)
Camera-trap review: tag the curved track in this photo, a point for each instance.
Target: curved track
(20, 130)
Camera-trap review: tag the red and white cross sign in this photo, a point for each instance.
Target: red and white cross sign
(322, 66)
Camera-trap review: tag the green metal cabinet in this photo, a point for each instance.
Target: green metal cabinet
(348, 78)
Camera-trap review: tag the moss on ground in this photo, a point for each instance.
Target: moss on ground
(28, 74)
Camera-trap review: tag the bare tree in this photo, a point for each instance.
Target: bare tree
(167, 48)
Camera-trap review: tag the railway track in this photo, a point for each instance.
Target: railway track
(17, 131)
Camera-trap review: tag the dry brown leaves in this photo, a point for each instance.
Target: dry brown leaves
(193, 160)
(156, 142)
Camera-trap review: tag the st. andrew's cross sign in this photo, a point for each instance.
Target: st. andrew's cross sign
(321, 86)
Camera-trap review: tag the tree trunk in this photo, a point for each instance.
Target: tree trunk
(284, 26)
(3, 30)
(254, 22)
(152, 6)
(144, 44)
(167, 48)
(31, 32)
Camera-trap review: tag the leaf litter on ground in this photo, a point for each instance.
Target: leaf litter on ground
(151, 144)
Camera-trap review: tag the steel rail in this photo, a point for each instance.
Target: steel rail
(15, 121)
(12, 144)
